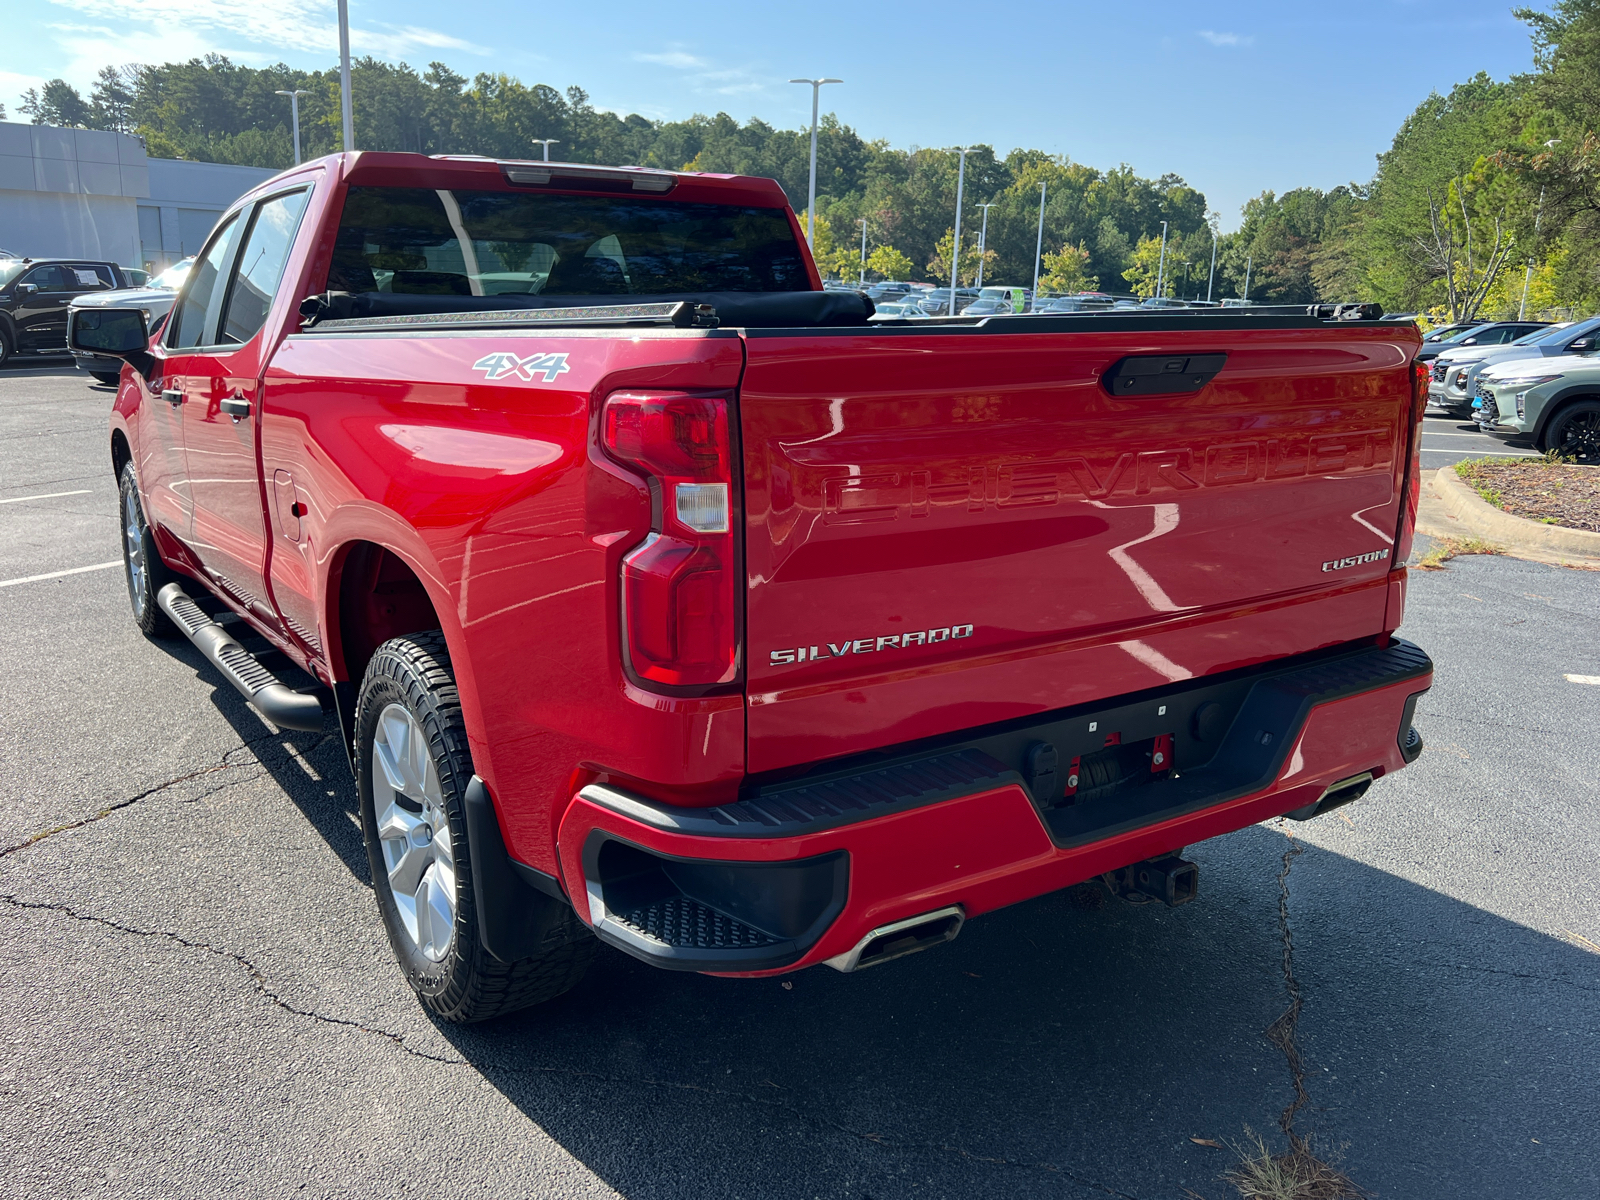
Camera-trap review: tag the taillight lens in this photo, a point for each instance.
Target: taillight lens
(680, 586)
(1412, 496)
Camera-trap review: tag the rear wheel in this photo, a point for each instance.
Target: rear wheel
(1575, 433)
(6, 346)
(142, 567)
(413, 769)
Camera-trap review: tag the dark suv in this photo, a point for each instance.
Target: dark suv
(1493, 333)
(34, 294)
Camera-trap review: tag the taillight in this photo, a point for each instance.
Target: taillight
(680, 586)
(1411, 497)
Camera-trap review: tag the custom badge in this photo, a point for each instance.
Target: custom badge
(1340, 564)
(498, 366)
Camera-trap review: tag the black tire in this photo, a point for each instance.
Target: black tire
(139, 554)
(1575, 432)
(5, 345)
(109, 378)
(464, 982)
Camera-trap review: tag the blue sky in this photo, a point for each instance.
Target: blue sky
(1236, 97)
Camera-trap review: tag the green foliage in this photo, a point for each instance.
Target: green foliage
(1064, 271)
(888, 263)
(967, 269)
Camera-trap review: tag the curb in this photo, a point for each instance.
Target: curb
(1450, 508)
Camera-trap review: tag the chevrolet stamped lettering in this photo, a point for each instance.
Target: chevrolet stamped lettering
(1339, 564)
(870, 645)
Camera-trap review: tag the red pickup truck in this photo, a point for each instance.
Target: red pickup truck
(661, 597)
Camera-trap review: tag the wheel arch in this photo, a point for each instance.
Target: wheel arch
(1559, 403)
(121, 452)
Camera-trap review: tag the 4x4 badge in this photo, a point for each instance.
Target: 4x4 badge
(498, 366)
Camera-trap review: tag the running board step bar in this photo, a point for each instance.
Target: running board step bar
(279, 703)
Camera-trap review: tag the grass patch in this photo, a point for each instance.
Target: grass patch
(1444, 549)
(1297, 1174)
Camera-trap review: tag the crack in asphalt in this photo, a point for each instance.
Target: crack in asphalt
(1281, 1033)
(263, 988)
(156, 789)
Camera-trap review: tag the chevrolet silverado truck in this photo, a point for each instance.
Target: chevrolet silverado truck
(662, 600)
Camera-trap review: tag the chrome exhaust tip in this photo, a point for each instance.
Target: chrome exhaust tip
(900, 938)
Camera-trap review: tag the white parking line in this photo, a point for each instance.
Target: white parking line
(5, 583)
(1428, 433)
(1594, 679)
(1485, 453)
(47, 496)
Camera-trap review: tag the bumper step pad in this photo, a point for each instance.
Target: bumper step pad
(280, 704)
(687, 923)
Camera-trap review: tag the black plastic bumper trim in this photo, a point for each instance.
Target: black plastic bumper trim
(762, 907)
(1269, 707)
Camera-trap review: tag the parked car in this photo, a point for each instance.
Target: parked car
(34, 294)
(1492, 333)
(1448, 333)
(936, 301)
(1083, 302)
(1453, 379)
(997, 301)
(888, 290)
(1554, 402)
(906, 308)
(154, 300)
(696, 626)
(1164, 302)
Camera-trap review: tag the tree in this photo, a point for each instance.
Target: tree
(58, 103)
(111, 101)
(1064, 271)
(888, 263)
(1145, 271)
(967, 268)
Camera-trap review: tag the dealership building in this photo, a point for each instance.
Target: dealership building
(88, 193)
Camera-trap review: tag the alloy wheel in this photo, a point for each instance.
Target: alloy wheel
(1581, 438)
(133, 549)
(414, 831)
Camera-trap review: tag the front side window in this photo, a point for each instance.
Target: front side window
(470, 243)
(260, 269)
(48, 279)
(196, 312)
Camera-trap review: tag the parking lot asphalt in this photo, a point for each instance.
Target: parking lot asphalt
(1447, 440)
(200, 1000)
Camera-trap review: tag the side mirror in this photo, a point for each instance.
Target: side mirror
(116, 332)
(27, 289)
(119, 332)
(1581, 345)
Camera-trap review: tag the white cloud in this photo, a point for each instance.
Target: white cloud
(680, 59)
(1225, 39)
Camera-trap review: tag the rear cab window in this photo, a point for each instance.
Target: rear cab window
(443, 242)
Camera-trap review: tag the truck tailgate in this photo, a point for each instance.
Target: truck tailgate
(951, 527)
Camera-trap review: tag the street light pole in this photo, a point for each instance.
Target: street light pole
(811, 196)
(1161, 270)
(1185, 278)
(1212, 278)
(546, 143)
(1248, 261)
(955, 245)
(863, 224)
(344, 77)
(294, 115)
(1038, 246)
(983, 240)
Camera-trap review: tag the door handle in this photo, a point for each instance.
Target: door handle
(172, 397)
(235, 406)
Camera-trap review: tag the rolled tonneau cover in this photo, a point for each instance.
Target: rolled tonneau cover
(753, 310)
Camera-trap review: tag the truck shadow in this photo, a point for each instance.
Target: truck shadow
(1061, 1047)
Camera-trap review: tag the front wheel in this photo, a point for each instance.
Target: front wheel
(109, 378)
(142, 567)
(1575, 433)
(413, 767)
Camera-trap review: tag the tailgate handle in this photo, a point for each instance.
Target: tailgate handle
(1161, 374)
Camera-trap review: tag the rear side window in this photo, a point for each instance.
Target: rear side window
(461, 243)
(260, 269)
(197, 311)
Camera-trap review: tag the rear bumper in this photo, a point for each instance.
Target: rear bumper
(799, 873)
